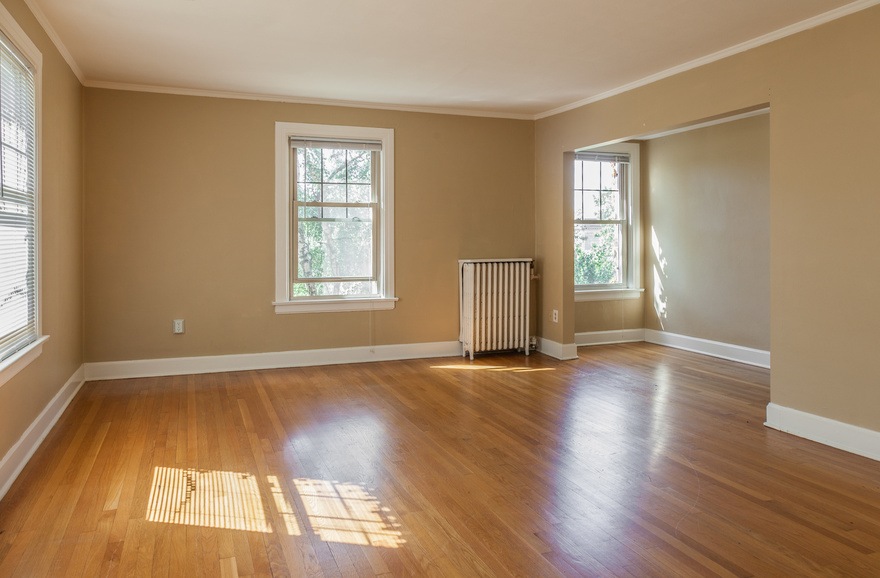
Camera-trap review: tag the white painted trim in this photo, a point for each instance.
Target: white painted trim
(328, 305)
(10, 366)
(272, 360)
(607, 294)
(385, 299)
(17, 457)
(304, 100)
(56, 40)
(16, 34)
(721, 54)
(729, 351)
(606, 337)
(708, 123)
(561, 351)
(837, 434)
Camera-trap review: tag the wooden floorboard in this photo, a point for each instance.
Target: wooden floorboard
(634, 460)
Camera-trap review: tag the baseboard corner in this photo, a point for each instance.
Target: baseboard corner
(19, 454)
(837, 434)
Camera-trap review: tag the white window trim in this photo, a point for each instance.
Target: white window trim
(283, 303)
(13, 364)
(633, 287)
(607, 294)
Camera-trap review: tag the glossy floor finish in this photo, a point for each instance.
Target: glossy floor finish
(635, 460)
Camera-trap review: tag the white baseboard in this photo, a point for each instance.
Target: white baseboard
(608, 337)
(561, 351)
(844, 436)
(738, 353)
(19, 455)
(278, 359)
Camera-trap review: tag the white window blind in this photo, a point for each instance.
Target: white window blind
(18, 295)
(602, 157)
(335, 144)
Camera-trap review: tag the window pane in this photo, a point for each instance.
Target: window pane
(591, 205)
(360, 214)
(15, 134)
(353, 288)
(335, 248)
(308, 192)
(313, 164)
(609, 176)
(334, 165)
(14, 302)
(309, 212)
(359, 166)
(597, 254)
(334, 193)
(15, 169)
(360, 193)
(591, 174)
(334, 213)
(611, 208)
(300, 165)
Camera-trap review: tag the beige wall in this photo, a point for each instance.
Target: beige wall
(180, 223)
(24, 397)
(706, 203)
(823, 86)
(612, 315)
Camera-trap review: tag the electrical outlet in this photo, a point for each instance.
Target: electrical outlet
(555, 316)
(177, 326)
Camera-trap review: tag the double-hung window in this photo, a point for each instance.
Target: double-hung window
(605, 223)
(337, 187)
(19, 298)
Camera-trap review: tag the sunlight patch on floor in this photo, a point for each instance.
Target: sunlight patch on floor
(347, 513)
(514, 369)
(334, 511)
(285, 510)
(211, 498)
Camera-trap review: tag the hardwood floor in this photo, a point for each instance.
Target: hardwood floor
(635, 460)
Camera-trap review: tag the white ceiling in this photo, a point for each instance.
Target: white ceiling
(520, 58)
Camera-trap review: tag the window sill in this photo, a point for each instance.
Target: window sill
(21, 359)
(339, 304)
(607, 294)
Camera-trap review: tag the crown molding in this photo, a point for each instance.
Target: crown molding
(304, 100)
(789, 30)
(56, 40)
